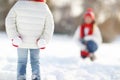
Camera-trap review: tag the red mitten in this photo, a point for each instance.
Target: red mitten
(16, 41)
(84, 54)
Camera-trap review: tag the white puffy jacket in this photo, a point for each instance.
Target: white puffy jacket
(32, 21)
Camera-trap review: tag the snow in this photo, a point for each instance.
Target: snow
(61, 61)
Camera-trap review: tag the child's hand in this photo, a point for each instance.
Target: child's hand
(84, 54)
(41, 43)
(16, 41)
(82, 41)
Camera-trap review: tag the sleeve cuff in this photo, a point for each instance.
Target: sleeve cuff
(41, 43)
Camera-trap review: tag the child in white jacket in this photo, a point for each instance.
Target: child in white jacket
(89, 36)
(30, 26)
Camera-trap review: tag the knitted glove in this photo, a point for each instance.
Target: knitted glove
(16, 41)
(82, 41)
(41, 43)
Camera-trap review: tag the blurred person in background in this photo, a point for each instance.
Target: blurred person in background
(30, 26)
(89, 36)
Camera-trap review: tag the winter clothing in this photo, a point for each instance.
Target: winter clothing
(89, 39)
(95, 36)
(89, 13)
(84, 54)
(22, 62)
(89, 35)
(91, 46)
(32, 21)
(41, 43)
(16, 41)
(86, 29)
(30, 26)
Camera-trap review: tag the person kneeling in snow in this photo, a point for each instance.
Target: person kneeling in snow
(89, 36)
(30, 27)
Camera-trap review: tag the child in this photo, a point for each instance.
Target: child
(89, 36)
(29, 26)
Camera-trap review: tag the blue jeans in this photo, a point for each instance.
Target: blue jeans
(91, 46)
(22, 63)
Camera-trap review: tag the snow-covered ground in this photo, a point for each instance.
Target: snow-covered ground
(61, 61)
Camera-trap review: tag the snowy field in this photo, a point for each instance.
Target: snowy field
(61, 61)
